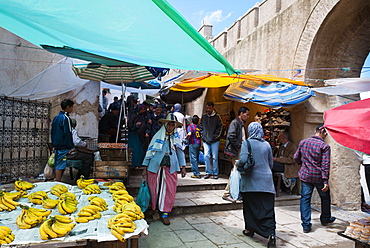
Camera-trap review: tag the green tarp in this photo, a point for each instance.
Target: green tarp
(143, 32)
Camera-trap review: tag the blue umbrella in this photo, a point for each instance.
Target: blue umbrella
(269, 94)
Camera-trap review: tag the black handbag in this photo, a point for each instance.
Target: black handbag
(247, 167)
(166, 161)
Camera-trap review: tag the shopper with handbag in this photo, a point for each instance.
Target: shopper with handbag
(256, 185)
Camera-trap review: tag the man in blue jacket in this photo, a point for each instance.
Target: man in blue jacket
(61, 137)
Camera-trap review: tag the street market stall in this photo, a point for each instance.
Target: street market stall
(95, 230)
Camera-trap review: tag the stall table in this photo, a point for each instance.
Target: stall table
(358, 243)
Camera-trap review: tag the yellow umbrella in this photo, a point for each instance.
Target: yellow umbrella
(221, 80)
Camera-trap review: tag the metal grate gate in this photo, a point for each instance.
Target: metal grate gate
(24, 134)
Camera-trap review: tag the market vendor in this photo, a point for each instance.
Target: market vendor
(84, 155)
(163, 160)
(108, 124)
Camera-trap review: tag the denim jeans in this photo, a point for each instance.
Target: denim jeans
(194, 158)
(305, 204)
(211, 149)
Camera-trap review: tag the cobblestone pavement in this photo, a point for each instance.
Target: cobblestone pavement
(224, 229)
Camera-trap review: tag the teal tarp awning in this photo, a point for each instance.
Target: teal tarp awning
(143, 32)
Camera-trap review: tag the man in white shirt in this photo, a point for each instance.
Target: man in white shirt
(86, 158)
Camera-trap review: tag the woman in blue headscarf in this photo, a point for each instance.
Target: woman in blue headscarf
(257, 188)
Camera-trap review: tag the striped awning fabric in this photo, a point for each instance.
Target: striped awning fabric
(114, 75)
(269, 94)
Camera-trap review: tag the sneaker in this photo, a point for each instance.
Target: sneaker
(207, 176)
(196, 176)
(215, 177)
(307, 230)
(331, 220)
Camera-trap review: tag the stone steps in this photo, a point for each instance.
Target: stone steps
(204, 196)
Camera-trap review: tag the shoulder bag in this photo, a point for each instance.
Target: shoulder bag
(247, 167)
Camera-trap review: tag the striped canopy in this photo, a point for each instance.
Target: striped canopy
(113, 75)
(269, 94)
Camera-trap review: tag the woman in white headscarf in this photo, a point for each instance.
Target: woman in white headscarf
(257, 188)
(161, 164)
(180, 118)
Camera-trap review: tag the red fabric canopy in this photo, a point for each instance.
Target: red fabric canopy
(349, 125)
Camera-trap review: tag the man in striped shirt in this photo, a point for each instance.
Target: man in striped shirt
(314, 156)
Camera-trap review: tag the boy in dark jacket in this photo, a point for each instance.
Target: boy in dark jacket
(61, 137)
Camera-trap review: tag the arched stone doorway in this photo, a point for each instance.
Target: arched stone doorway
(341, 42)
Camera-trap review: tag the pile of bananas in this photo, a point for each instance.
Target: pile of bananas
(31, 217)
(132, 210)
(82, 183)
(6, 235)
(88, 212)
(67, 203)
(15, 195)
(49, 203)
(56, 227)
(58, 189)
(116, 186)
(92, 189)
(23, 185)
(97, 201)
(121, 198)
(7, 201)
(38, 197)
(121, 224)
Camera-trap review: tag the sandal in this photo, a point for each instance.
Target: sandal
(248, 233)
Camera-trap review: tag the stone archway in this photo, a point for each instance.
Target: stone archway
(339, 33)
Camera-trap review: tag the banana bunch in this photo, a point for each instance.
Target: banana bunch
(97, 201)
(92, 189)
(56, 227)
(130, 209)
(15, 195)
(7, 201)
(122, 196)
(88, 212)
(31, 217)
(82, 183)
(49, 203)
(6, 235)
(116, 186)
(121, 224)
(23, 185)
(38, 197)
(67, 203)
(58, 189)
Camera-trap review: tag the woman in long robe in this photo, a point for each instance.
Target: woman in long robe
(162, 161)
(257, 188)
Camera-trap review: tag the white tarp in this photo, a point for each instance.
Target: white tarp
(60, 78)
(53, 81)
(344, 86)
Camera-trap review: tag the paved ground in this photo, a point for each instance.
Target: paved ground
(223, 229)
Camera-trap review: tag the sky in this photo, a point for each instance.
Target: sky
(222, 14)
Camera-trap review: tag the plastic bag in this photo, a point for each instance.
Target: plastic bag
(51, 161)
(143, 197)
(49, 172)
(201, 158)
(235, 183)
